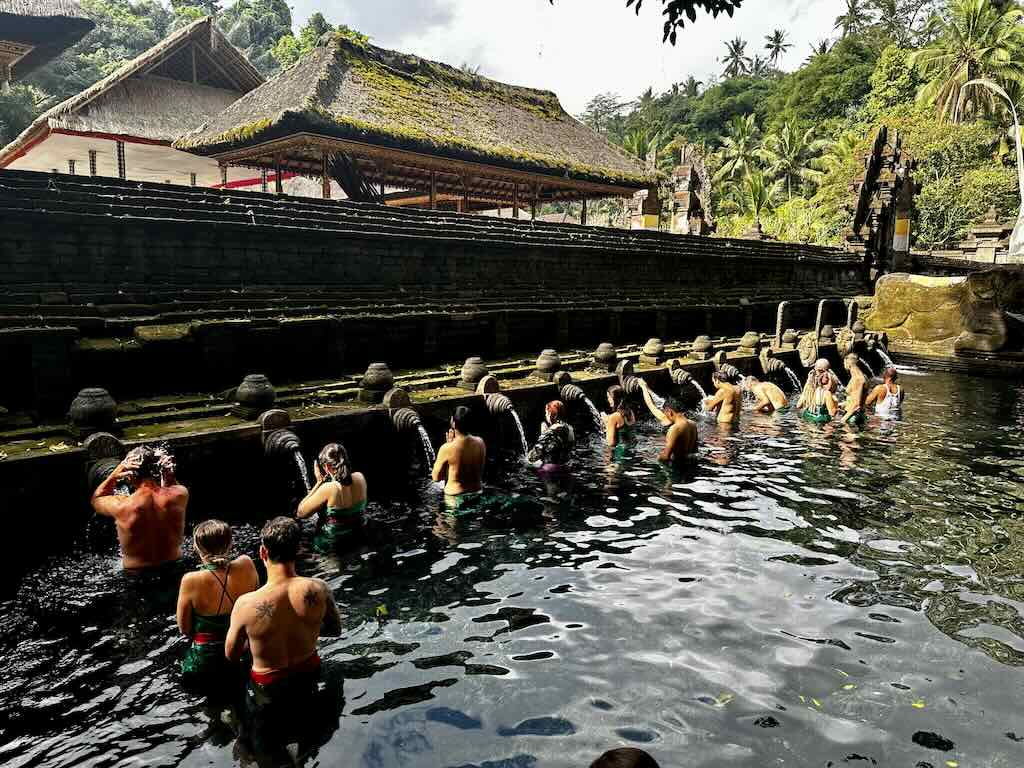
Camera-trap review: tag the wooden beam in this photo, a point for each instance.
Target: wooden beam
(278, 181)
(583, 213)
(515, 200)
(325, 177)
(433, 190)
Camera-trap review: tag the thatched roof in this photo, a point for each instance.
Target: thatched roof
(154, 96)
(49, 26)
(358, 92)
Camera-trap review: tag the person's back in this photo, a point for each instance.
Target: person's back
(888, 396)
(727, 400)
(282, 622)
(856, 391)
(151, 521)
(768, 396)
(681, 441)
(460, 461)
(340, 494)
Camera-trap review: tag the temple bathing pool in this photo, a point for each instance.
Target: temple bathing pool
(805, 596)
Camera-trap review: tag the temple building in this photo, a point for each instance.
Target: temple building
(34, 31)
(123, 126)
(397, 129)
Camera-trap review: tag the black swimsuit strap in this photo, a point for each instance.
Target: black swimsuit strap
(224, 589)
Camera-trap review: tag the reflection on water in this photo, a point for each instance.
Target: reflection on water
(804, 596)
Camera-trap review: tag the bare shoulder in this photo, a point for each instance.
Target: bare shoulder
(314, 592)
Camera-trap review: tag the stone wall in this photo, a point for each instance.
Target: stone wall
(150, 289)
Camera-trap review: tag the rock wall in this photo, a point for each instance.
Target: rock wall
(949, 316)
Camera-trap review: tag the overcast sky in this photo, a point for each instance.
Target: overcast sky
(578, 47)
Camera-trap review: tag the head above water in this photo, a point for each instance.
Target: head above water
(625, 757)
(821, 364)
(749, 382)
(461, 420)
(333, 461)
(152, 463)
(851, 362)
(890, 374)
(554, 412)
(280, 541)
(212, 540)
(673, 408)
(617, 398)
(719, 379)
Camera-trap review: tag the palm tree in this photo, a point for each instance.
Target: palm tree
(856, 18)
(691, 87)
(736, 61)
(838, 154)
(788, 153)
(819, 48)
(975, 41)
(741, 147)
(644, 143)
(776, 45)
(758, 195)
(760, 67)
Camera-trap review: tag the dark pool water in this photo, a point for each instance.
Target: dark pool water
(805, 596)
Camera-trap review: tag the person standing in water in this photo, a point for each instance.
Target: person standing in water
(460, 461)
(817, 403)
(770, 397)
(280, 623)
(727, 401)
(553, 450)
(620, 422)
(341, 492)
(151, 520)
(681, 441)
(205, 599)
(856, 392)
(888, 396)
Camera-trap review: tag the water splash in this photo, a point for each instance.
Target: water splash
(522, 434)
(701, 408)
(594, 414)
(303, 470)
(886, 360)
(428, 449)
(792, 377)
(867, 367)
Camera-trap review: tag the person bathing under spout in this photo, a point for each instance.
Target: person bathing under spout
(681, 441)
(553, 450)
(205, 600)
(620, 422)
(151, 520)
(817, 403)
(341, 492)
(727, 401)
(856, 392)
(280, 623)
(888, 396)
(460, 461)
(770, 397)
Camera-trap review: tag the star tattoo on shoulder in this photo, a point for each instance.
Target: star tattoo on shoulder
(265, 610)
(311, 598)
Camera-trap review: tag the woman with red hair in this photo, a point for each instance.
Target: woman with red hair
(554, 446)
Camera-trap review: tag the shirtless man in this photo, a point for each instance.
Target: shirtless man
(769, 397)
(681, 439)
(460, 462)
(728, 400)
(280, 623)
(856, 392)
(151, 521)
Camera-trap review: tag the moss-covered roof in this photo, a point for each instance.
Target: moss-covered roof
(359, 92)
(49, 26)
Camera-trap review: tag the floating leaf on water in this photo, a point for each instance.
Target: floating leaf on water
(382, 611)
(724, 698)
(802, 699)
(849, 687)
(952, 764)
(816, 703)
(844, 674)
(917, 704)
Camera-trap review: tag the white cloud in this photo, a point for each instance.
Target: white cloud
(576, 48)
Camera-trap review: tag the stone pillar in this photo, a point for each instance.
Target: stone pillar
(902, 210)
(645, 209)
(780, 323)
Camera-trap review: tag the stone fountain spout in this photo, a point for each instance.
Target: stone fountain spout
(279, 441)
(498, 405)
(406, 420)
(105, 452)
(570, 393)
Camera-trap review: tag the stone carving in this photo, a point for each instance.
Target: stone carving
(944, 316)
(653, 352)
(472, 371)
(750, 344)
(92, 410)
(376, 383)
(254, 396)
(548, 364)
(605, 357)
(703, 348)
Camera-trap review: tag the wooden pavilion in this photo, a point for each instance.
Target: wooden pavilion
(34, 31)
(397, 129)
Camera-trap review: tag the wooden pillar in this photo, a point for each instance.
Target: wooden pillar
(465, 194)
(192, 179)
(583, 213)
(278, 181)
(433, 190)
(515, 200)
(122, 169)
(92, 163)
(223, 176)
(71, 167)
(263, 180)
(325, 177)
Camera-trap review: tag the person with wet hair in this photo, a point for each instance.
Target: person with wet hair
(681, 440)
(339, 491)
(727, 401)
(888, 396)
(150, 520)
(856, 392)
(625, 757)
(553, 450)
(205, 599)
(281, 623)
(770, 397)
(620, 422)
(818, 404)
(460, 461)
